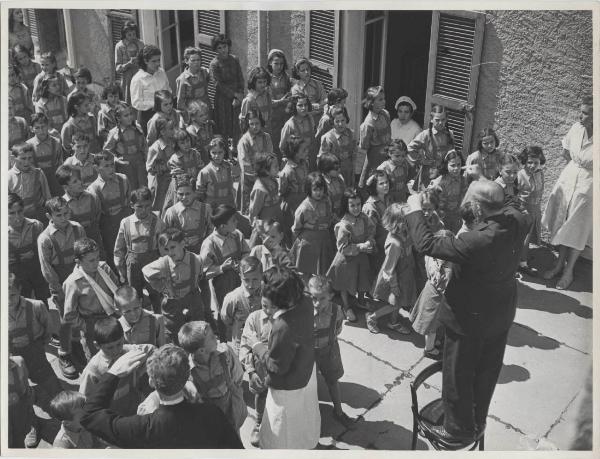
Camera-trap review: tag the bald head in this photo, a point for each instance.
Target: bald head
(487, 193)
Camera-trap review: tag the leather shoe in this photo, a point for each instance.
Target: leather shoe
(441, 433)
(66, 367)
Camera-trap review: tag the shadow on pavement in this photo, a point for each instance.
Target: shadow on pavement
(513, 373)
(551, 301)
(382, 435)
(520, 336)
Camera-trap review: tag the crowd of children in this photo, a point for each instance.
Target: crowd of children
(123, 235)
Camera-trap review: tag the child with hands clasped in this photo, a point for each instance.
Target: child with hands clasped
(487, 156)
(340, 142)
(452, 186)
(397, 168)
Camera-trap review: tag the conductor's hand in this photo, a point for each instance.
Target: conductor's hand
(414, 202)
(128, 362)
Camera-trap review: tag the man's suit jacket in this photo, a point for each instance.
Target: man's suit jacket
(482, 296)
(183, 425)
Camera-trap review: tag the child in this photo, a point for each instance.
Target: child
(246, 298)
(192, 84)
(313, 248)
(49, 70)
(52, 103)
(28, 68)
(329, 166)
(252, 142)
(89, 292)
(111, 190)
(163, 109)
(272, 251)
(404, 127)
(136, 244)
(107, 116)
(47, 151)
(375, 134)
(336, 98)
(452, 186)
(82, 160)
(468, 218)
(487, 155)
(280, 93)
(221, 253)
(28, 182)
(431, 299)
(378, 187)
(427, 150)
(215, 184)
(216, 371)
(127, 142)
(22, 422)
(85, 208)
(80, 120)
(301, 125)
(67, 407)
(339, 141)
(328, 325)
(530, 180)
(201, 127)
(139, 326)
(291, 181)
(258, 99)
(395, 285)
(28, 334)
(156, 162)
(265, 202)
(175, 276)
(19, 94)
(509, 168)
(18, 129)
(55, 249)
(109, 338)
(397, 168)
(126, 52)
(23, 258)
(355, 236)
(191, 216)
(309, 87)
(83, 82)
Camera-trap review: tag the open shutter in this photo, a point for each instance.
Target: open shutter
(208, 23)
(30, 20)
(322, 45)
(454, 58)
(116, 19)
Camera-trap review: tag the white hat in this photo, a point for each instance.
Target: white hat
(407, 100)
(274, 51)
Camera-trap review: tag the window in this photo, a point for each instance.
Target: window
(116, 19)
(322, 43)
(208, 23)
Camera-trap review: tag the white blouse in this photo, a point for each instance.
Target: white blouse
(144, 85)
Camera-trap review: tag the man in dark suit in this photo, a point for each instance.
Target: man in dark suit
(176, 423)
(481, 302)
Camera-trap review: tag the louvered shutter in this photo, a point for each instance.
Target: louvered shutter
(32, 23)
(322, 45)
(454, 58)
(208, 23)
(116, 20)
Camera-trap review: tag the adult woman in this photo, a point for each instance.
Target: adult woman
(226, 72)
(404, 127)
(126, 52)
(568, 213)
(291, 418)
(280, 91)
(148, 79)
(18, 33)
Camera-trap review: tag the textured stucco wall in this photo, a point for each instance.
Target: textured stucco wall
(236, 28)
(93, 43)
(286, 31)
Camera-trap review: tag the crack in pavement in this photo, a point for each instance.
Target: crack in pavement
(561, 415)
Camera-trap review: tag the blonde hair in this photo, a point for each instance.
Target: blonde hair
(320, 284)
(192, 335)
(394, 220)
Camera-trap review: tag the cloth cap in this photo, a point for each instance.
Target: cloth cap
(406, 99)
(274, 51)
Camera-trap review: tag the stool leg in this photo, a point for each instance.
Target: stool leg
(414, 435)
(481, 446)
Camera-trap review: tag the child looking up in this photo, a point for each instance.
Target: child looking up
(192, 84)
(302, 125)
(397, 168)
(487, 156)
(340, 142)
(78, 107)
(67, 407)
(329, 166)
(107, 116)
(215, 183)
(163, 108)
(311, 88)
(452, 186)
(47, 151)
(52, 103)
(258, 98)
(82, 160)
(139, 326)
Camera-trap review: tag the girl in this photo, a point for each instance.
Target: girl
(309, 87)
(49, 69)
(378, 186)
(201, 127)
(395, 284)
(192, 84)
(78, 107)
(340, 142)
(427, 149)
(126, 51)
(291, 181)
(107, 119)
(336, 98)
(163, 108)
(375, 134)
(397, 168)
(530, 180)
(301, 125)
(313, 245)
(18, 128)
(52, 103)
(29, 69)
(156, 162)
(355, 236)
(215, 184)
(19, 94)
(452, 186)
(254, 140)
(329, 166)
(227, 74)
(404, 127)
(281, 86)
(83, 82)
(487, 156)
(431, 299)
(258, 98)
(509, 167)
(265, 202)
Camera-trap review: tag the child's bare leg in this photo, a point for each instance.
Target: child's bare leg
(346, 305)
(559, 265)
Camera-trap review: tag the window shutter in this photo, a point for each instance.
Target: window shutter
(322, 45)
(32, 23)
(454, 58)
(208, 23)
(116, 19)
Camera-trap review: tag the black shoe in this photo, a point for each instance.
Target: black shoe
(441, 433)
(78, 355)
(66, 367)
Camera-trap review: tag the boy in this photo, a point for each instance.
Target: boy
(82, 161)
(256, 330)
(192, 84)
(328, 325)
(28, 182)
(139, 326)
(175, 275)
(67, 407)
(137, 244)
(271, 252)
(22, 430)
(18, 129)
(23, 259)
(245, 299)
(108, 337)
(111, 189)
(106, 116)
(89, 292)
(55, 249)
(215, 371)
(18, 93)
(47, 151)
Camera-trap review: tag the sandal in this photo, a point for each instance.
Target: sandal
(371, 324)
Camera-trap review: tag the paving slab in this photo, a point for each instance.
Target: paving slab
(561, 434)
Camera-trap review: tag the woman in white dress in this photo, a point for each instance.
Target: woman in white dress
(568, 214)
(404, 127)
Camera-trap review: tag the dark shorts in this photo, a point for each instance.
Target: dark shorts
(329, 362)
